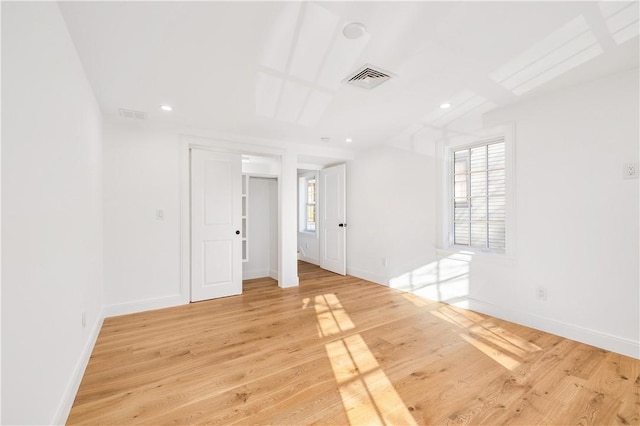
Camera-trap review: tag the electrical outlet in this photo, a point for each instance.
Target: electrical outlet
(541, 293)
(630, 171)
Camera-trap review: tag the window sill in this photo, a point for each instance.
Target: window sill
(475, 254)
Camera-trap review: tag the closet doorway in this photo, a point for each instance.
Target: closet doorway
(260, 254)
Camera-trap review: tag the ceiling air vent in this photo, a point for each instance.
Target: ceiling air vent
(368, 77)
(131, 114)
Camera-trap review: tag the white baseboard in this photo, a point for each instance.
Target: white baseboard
(62, 413)
(368, 276)
(273, 274)
(313, 260)
(256, 273)
(143, 305)
(609, 342)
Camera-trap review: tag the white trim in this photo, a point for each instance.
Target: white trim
(313, 260)
(368, 276)
(255, 273)
(69, 396)
(444, 186)
(186, 143)
(609, 342)
(617, 344)
(185, 222)
(143, 305)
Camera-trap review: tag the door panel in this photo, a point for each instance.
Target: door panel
(216, 249)
(332, 216)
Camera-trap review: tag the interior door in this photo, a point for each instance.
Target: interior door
(333, 215)
(216, 209)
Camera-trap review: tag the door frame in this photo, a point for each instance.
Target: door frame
(287, 205)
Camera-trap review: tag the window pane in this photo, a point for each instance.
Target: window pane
(478, 184)
(461, 213)
(479, 234)
(496, 208)
(460, 166)
(461, 155)
(311, 217)
(311, 191)
(479, 191)
(461, 233)
(497, 182)
(479, 209)
(479, 158)
(496, 155)
(460, 188)
(497, 236)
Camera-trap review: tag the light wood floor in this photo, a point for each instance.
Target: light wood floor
(340, 350)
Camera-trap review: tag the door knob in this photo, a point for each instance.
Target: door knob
(237, 232)
(342, 225)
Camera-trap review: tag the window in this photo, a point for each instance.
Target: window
(479, 196)
(310, 215)
(307, 203)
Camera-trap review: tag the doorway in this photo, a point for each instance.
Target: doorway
(261, 257)
(322, 225)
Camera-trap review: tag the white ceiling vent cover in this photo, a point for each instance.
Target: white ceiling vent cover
(131, 114)
(368, 77)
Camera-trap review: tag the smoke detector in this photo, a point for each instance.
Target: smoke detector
(368, 77)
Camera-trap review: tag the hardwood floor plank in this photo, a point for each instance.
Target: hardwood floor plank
(340, 350)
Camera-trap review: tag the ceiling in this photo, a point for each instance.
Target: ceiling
(274, 70)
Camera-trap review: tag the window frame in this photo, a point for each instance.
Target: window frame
(505, 132)
(303, 185)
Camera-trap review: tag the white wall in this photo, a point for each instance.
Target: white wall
(576, 220)
(390, 213)
(262, 240)
(146, 169)
(51, 216)
(141, 253)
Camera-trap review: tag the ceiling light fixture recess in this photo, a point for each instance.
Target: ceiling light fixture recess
(348, 140)
(353, 30)
(445, 105)
(166, 108)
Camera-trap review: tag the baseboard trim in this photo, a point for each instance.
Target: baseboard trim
(591, 337)
(256, 273)
(368, 276)
(273, 274)
(64, 409)
(143, 305)
(588, 336)
(312, 260)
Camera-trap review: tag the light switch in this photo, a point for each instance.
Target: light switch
(159, 214)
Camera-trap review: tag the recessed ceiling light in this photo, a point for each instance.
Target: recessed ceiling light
(354, 30)
(348, 140)
(166, 107)
(445, 105)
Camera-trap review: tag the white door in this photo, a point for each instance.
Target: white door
(333, 218)
(216, 243)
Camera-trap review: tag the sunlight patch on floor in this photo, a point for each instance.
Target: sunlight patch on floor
(332, 319)
(367, 394)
